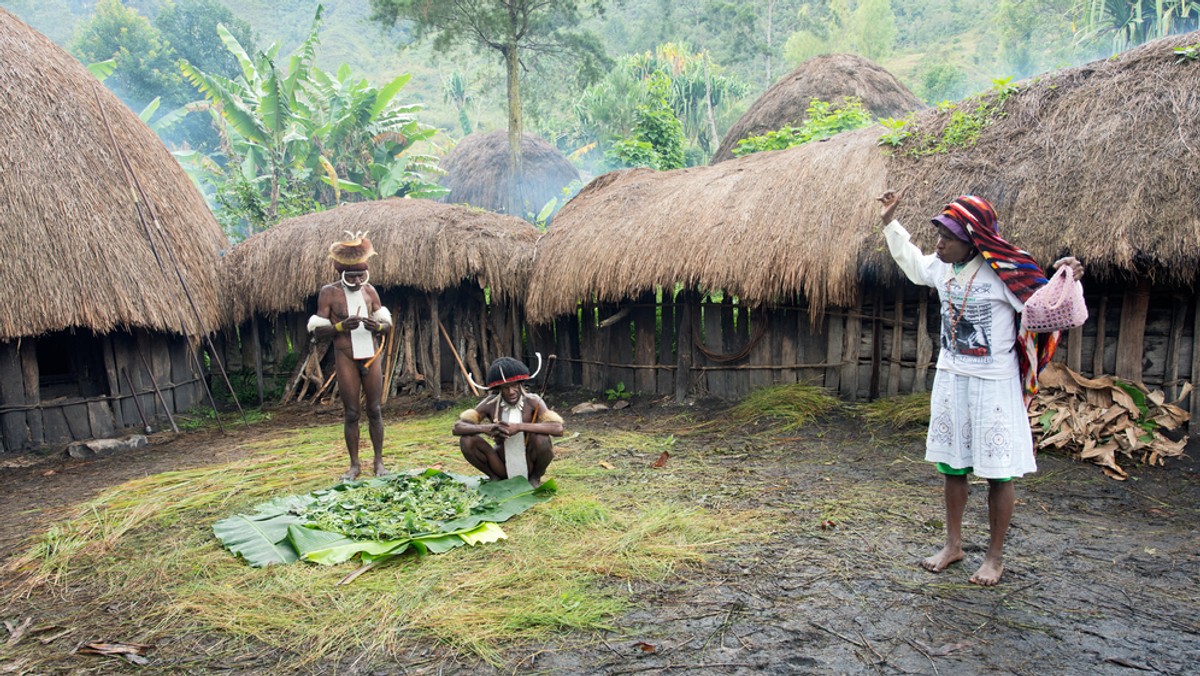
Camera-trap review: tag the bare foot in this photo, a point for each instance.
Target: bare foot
(989, 573)
(351, 474)
(379, 469)
(942, 560)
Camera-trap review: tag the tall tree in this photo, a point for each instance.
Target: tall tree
(511, 28)
(749, 30)
(145, 62)
(190, 26)
(874, 28)
(1032, 35)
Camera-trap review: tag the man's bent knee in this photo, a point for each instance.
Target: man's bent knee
(541, 444)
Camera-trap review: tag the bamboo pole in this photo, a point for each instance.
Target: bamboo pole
(154, 381)
(458, 359)
(389, 362)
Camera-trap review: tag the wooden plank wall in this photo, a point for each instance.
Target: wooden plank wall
(419, 356)
(883, 345)
(133, 363)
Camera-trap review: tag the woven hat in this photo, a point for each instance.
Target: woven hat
(352, 253)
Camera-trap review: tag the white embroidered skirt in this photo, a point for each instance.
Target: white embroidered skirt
(980, 424)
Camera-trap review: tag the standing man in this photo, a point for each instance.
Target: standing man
(349, 311)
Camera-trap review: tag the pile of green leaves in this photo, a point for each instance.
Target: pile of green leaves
(821, 120)
(380, 518)
(401, 506)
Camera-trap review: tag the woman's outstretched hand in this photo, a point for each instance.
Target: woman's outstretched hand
(890, 200)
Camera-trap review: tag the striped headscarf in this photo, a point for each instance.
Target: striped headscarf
(1019, 272)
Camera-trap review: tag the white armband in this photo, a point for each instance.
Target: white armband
(382, 315)
(315, 322)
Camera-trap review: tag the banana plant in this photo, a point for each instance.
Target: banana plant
(300, 129)
(264, 128)
(359, 117)
(1132, 22)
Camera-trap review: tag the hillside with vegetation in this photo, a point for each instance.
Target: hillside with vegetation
(635, 83)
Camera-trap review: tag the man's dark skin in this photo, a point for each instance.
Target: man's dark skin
(489, 458)
(331, 305)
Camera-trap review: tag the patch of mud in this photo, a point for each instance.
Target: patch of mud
(1102, 577)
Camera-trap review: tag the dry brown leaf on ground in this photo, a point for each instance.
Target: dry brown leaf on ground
(1097, 418)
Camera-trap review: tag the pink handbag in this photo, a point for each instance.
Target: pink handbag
(1057, 306)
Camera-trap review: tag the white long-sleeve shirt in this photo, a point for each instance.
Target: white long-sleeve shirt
(979, 312)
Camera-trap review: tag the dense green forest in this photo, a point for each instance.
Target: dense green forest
(626, 83)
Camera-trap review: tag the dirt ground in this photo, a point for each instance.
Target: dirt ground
(1102, 577)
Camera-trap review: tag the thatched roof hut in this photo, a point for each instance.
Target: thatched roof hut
(830, 77)
(69, 204)
(477, 173)
(102, 224)
(422, 244)
(1100, 161)
(435, 262)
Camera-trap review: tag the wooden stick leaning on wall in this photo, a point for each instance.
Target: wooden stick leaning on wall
(461, 366)
(389, 362)
(138, 403)
(154, 381)
(143, 205)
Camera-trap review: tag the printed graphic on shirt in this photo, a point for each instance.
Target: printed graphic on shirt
(967, 328)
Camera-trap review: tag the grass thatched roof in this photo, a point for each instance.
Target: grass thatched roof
(77, 248)
(830, 77)
(1100, 161)
(421, 244)
(477, 173)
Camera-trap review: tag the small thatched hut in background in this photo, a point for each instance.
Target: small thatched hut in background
(110, 262)
(439, 266)
(1100, 161)
(477, 173)
(831, 77)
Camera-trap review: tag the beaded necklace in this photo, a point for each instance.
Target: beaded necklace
(955, 317)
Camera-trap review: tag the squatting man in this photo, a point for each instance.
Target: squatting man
(350, 312)
(518, 423)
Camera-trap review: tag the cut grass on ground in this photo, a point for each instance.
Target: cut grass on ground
(793, 405)
(569, 564)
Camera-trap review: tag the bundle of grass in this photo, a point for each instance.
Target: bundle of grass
(793, 405)
(909, 412)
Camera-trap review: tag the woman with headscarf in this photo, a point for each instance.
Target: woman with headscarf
(987, 368)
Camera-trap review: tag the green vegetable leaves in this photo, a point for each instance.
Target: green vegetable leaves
(379, 518)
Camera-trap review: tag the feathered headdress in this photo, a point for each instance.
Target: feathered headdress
(352, 253)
